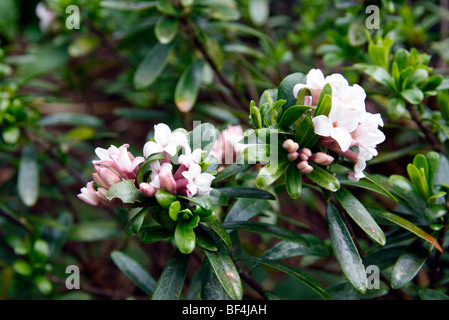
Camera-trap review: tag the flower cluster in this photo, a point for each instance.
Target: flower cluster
(348, 123)
(182, 177)
(227, 147)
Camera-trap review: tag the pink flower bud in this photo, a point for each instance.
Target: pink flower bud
(305, 154)
(290, 145)
(104, 177)
(292, 156)
(166, 178)
(147, 189)
(322, 158)
(89, 195)
(304, 167)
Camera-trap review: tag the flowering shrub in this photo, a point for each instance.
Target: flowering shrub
(208, 150)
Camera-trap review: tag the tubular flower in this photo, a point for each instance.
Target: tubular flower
(164, 141)
(227, 147)
(197, 182)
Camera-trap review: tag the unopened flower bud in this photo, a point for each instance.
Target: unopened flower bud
(147, 189)
(305, 154)
(304, 167)
(322, 158)
(292, 156)
(290, 145)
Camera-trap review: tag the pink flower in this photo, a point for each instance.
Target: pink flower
(198, 182)
(227, 147)
(162, 176)
(119, 160)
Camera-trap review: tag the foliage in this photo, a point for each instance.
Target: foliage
(274, 213)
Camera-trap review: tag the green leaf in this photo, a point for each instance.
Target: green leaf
(418, 178)
(266, 229)
(252, 193)
(169, 285)
(203, 201)
(165, 198)
(188, 86)
(304, 132)
(294, 273)
(166, 29)
(144, 167)
(293, 181)
(204, 239)
(323, 178)
(345, 250)
(11, 134)
(430, 294)
(271, 172)
(245, 209)
(185, 238)
(221, 232)
(28, 176)
(23, 268)
(133, 226)
(413, 95)
(409, 263)
(125, 191)
(211, 288)
(43, 284)
(151, 66)
(292, 114)
(433, 160)
(259, 11)
(226, 272)
(70, 119)
(360, 215)
(139, 276)
(324, 103)
(152, 234)
(95, 231)
(285, 91)
(407, 225)
(167, 7)
(128, 6)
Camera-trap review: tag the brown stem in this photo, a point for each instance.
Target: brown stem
(427, 133)
(253, 283)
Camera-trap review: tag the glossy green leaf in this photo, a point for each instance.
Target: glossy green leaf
(131, 268)
(409, 263)
(271, 172)
(169, 285)
(152, 234)
(294, 273)
(404, 223)
(165, 198)
(360, 215)
(151, 66)
(285, 91)
(345, 250)
(226, 272)
(128, 6)
(292, 114)
(203, 201)
(28, 176)
(211, 288)
(253, 193)
(125, 191)
(185, 237)
(204, 238)
(188, 86)
(133, 226)
(71, 119)
(413, 95)
(166, 29)
(433, 160)
(430, 294)
(221, 232)
(95, 231)
(245, 209)
(203, 136)
(266, 229)
(323, 178)
(293, 181)
(324, 103)
(418, 178)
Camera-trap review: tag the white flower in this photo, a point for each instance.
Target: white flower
(367, 135)
(338, 124)
(164, 141)
(315, 82)
(198, 183)
(189, 157)
(362, 157)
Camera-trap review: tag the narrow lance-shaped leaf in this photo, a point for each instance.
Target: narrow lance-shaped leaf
(360, 215)
(345, 250)
(169, 285)
(133, 226)
(266, 229)
(293, 181)
(410, 262)
(28, 176)
(151, 66)
(295, 273)
(226, 272)
(166, 29)
(404, 223)
(188, 86)
(134, 271)
(323, 178)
